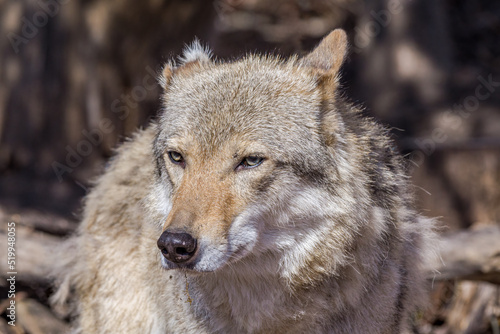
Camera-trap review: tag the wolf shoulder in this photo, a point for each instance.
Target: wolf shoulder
(117, 196)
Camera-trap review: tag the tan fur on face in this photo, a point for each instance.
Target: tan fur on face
(209, 192)
(203, 203)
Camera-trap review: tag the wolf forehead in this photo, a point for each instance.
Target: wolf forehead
(255, 99)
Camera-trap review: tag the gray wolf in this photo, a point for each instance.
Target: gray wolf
(260, 201)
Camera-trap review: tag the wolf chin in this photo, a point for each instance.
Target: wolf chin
(260, 201)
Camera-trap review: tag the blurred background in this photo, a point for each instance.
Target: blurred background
(77, 77)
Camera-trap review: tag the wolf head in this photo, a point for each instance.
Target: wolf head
(247, 156)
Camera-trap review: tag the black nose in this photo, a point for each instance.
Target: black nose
(177, 247)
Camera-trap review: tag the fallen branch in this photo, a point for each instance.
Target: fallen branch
(39, 221)
(470, 255)
(36, 318)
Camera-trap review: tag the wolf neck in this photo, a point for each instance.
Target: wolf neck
(252, 300)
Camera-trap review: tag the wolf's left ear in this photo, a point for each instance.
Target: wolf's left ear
(325, 61)
(329, 55)
(193, 58)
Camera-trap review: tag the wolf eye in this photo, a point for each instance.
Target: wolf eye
(176, 157)
(250, 162)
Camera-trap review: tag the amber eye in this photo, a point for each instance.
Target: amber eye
(250, 162)
(176, 157)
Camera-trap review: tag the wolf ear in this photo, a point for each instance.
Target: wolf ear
(329, 55)
(192, 58)
(325, 60)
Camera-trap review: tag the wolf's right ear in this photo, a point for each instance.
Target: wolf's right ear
(329, 55)
(193, 58)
